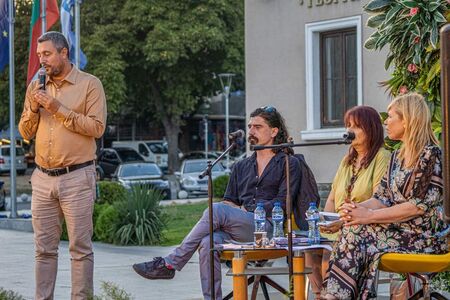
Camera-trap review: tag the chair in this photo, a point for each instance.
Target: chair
(421, 266)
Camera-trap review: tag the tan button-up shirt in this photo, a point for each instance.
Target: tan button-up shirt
(67, 137)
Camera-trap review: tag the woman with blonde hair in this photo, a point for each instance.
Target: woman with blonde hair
(402, 215)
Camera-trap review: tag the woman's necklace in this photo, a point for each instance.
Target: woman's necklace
(355, 173)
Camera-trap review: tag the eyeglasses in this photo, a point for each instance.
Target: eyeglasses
(269, 109)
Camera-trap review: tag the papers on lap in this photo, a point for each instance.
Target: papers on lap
(328, 216)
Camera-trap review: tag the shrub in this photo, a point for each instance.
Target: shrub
(105, 225)
(9, 295)
(112, 292)
(441, 282)
(110, 192)
(220, 185)
(140, 217)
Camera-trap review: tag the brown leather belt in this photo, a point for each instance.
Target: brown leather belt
(65, 170)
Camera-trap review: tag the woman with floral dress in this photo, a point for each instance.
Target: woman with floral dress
(402, 215)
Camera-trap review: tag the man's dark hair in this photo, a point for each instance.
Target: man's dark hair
(58, 40)
(274, 120)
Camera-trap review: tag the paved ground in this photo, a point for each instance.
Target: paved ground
(112, 264)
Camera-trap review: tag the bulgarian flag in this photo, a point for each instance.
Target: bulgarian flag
(36, 31)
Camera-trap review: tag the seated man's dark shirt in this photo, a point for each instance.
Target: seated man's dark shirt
(246, 188)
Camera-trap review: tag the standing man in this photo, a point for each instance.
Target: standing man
(65, 119)
(259, 178)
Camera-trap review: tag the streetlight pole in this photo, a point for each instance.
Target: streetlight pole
(225, 80)
(205, 132)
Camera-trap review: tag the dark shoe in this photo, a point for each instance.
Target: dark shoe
(155, 269)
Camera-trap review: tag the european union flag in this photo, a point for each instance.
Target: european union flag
(4, 34)
(66, 25)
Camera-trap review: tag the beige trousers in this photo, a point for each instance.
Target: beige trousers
(71, 197)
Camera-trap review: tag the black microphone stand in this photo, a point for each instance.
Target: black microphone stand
(208, 172)
(287, 149)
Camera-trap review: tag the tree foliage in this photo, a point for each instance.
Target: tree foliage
(155, 58)
(410, 28)
(176, 46)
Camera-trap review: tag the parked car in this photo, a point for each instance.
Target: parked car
(2, 196)
(110, 158)
(188, 177)
(5, 159)
(151, 150)
(200, 155)
(129, 174)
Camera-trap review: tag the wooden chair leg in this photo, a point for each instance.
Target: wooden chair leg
(255, 287)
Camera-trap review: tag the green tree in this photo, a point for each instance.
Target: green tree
(175, 48)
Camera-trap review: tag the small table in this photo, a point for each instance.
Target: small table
(240, 255)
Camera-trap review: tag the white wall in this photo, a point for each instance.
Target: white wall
(275, 67)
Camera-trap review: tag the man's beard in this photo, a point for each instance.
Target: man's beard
(53, 70)
(252, 140)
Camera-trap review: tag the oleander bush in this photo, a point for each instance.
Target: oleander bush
(110, 192)
(410, 30)
(220, 185)
(140, 220)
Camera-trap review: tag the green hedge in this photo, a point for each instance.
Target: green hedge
(110, 192)
(220, 185)
(105, 225)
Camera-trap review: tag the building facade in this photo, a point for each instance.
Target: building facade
(307, 58)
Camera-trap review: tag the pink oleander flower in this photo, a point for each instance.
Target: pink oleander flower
(417, 38)
(413, 11)
(412, 68)
(403, 90)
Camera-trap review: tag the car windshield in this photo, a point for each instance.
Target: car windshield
(199, 166)
(158, 148)
(139, 170)
(6, 151)
(129, 155)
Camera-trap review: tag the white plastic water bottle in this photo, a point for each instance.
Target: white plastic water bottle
(312, 216)
(260, 218)
(277, 219)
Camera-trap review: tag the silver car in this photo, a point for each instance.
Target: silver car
(190, 184)
(5, 159)
(129, 174)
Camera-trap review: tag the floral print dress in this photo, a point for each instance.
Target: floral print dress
(356, 254)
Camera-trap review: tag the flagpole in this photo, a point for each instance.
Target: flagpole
(44, 15)
(12, 125)
(77, 33)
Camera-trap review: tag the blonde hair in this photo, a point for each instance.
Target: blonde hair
(418, 132)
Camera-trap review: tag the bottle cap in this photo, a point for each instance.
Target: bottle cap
(277, 203)
(312, 203)
(259, 204)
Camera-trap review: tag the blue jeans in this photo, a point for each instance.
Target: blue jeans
(228, 222)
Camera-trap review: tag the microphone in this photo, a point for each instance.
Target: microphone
(348, 136)
(41, 76)
(236, 135)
